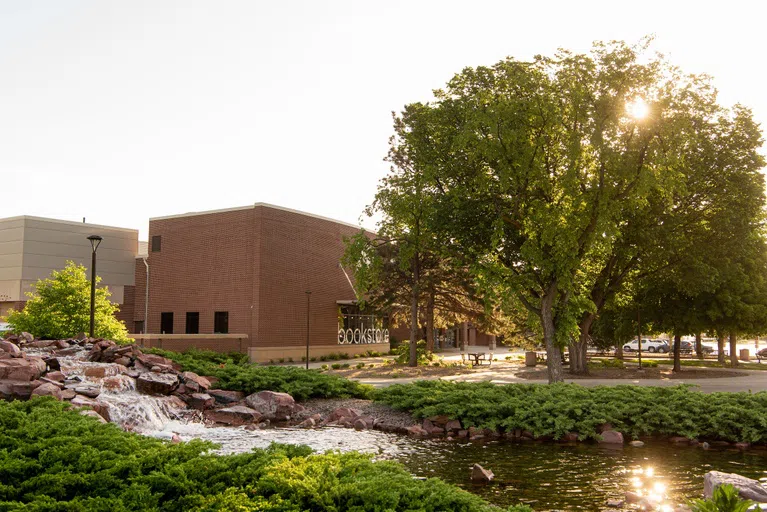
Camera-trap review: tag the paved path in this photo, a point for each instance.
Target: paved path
(754, 381)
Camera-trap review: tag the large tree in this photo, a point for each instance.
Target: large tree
(540, 166)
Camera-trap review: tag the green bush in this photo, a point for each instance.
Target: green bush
(60, 307)
(336, 366)
(557, 409)
(725, 499)
(359, 366)
(235, 373)
(52, 459)
(403, 353)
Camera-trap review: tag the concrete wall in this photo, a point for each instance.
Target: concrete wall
(32, 247)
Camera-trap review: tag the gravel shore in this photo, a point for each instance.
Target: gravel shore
(383, 414)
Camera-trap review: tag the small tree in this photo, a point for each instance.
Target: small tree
(60, 308)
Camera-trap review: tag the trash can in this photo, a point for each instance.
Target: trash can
(530, 358)
(743, 354)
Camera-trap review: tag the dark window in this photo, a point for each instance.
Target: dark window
(138, 327)
(192, 323)
(156, 243)
(221, 322)
(166, 323)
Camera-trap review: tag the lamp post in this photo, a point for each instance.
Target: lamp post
(95, 241)
(308, 307)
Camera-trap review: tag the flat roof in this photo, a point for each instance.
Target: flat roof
(68, 222)
(265, 205)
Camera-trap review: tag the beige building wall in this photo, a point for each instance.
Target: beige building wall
(32, 247)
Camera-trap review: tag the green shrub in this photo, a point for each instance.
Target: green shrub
(323, 358)
(336, 366)
(59, 308)
(557, 409)
(324, 367)
(403, 353)
(313, 359)
(725, 499)
(281, 360)
(236, 374)
(360, 366)
(54, 459)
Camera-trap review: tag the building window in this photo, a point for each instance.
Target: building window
(166, 323)
(221, 322)
(192, 323)
(156, 243)
(138, 327)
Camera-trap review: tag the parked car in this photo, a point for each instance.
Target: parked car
(688, 347)
(648, 345)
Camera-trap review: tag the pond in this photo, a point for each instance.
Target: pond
(547, 476)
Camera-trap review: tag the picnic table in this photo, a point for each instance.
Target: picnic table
(476, 358)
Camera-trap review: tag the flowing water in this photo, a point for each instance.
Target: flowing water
(547, 476)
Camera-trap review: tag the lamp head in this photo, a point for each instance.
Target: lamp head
(95, 241)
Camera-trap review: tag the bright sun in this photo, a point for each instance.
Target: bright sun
(638, 109)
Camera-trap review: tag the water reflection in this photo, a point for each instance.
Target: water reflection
(547, 476)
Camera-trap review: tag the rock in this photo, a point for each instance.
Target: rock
(615, 503)
(152, 383)
(611, 437)
(95, 372)
(10, 348)
(68, 394)
(150, 360)
(463, 433)
(94, 414)
(55, 376)
(570, 437)
(201, 401)
(427, 425)
(26, 369)
(15, 389)
(235, 415)
(307, 423)
(83, 401)
(86, 389)
(343, 412)
(194, 382)
(4, 354)
(747, 488)
(678, 440)
(416, 430)
(364, 423)
(25, 337)
(56, 383)
(53, 363)
(273, 406)
(705, 445)
(633, 497)
(742, 446)
(48, 389)
(453, 425)
(636, 444)
(226, 397)
(440, 420)
(480, 474)
(61, 344)
(125, 361)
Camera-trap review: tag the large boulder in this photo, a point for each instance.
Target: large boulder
(194, 382)
(16, 389)
(48, 389)
(747, 488)
(273, 406)
(88, 389)
(201, 401)
(343, 412)
(611, 437)
(152, 360)
(152, 383)
(480, 474)
(27, 369)
(223, 396)
(10, 348)
(235, 415)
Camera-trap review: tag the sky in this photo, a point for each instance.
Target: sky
(119, 111)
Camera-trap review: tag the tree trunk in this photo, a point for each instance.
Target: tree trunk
(699, 346)
(720, 348)
(677, 353)
(619, 351)
(553, 353)
(733, 350)
(430, 322)
(578, 349)
(413, 360)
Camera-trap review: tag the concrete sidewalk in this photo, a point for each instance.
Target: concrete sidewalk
(754, 381)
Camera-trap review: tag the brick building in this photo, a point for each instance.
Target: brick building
(244, 272)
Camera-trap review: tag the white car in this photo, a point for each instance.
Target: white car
(648, 345)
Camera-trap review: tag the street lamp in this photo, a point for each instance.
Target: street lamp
(95, 241)
(308, 307)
